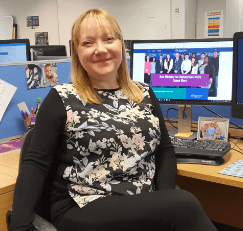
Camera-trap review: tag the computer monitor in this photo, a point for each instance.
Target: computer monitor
(14, 50)
(49, 51)
(207, 82)
(237, 100)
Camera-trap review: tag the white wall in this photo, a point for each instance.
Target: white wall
(208, 5)
(178, 19)
(45, 9)
(190, 19)
(234, 22)
(184, 21)
(138, 19)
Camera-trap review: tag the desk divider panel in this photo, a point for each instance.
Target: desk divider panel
(15, 74)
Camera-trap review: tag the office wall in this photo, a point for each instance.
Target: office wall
(45, 9)
(234, 16)
(138, 19)
(190, 19)
(178, 19)
(208, 5)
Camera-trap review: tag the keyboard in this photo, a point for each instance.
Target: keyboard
(199, 151)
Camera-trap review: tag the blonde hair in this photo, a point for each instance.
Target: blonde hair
(79, 76)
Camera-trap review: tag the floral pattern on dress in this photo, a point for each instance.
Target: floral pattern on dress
(110, 146)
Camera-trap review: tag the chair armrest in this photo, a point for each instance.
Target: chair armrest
(8, 218)
(39, 224)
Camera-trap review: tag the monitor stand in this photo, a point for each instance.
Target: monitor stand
(184, 128)
(184, 123)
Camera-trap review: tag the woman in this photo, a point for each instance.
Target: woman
(209, 69)
(194, 68)
(168, 64)
(153, 70)
(182, 57)
(147, 69)
(104, 133)
(204, 131)
(210, 131)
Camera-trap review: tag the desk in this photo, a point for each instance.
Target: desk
(220, 195)
(9, 163)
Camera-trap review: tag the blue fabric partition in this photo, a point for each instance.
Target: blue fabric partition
(12, 122)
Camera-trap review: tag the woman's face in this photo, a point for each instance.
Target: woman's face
(206, 60)
(99, 53)
(147, 57)
(168, 56)
(193, 60)
(153, 59)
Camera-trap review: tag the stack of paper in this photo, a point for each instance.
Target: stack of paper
(6, 93)
(235, 169)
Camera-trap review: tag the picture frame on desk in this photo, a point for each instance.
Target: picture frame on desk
(210, 128)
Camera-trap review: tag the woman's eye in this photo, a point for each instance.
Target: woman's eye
(110, 38)
(86, 43)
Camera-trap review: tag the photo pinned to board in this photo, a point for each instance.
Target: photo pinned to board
(41, 75)
(211, 128)
(34, 76)
(50, 74)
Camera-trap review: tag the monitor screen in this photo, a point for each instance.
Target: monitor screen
(14, 50)
(196, 71)
(237, 101)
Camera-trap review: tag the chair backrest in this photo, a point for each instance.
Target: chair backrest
(43, 206)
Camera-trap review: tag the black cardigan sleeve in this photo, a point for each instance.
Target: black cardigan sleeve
(49, 126)
(165, 158)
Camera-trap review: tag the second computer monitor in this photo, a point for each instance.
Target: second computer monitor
(196, 71)
(237, 101)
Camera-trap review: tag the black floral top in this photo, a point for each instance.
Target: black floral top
(116, 148)
(112, 144)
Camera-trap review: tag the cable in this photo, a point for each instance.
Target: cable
(221, 117)
(168, 117)
(237, 151)
(184, 112)
(235, 144)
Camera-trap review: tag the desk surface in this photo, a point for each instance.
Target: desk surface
(9, 164)
(210, 173)
(9, 169)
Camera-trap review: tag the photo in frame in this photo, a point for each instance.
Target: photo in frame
(210, 128)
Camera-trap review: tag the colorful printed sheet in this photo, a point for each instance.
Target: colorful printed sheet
(10, 146)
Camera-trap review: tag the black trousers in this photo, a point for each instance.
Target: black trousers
(173, 209)
(147, 78)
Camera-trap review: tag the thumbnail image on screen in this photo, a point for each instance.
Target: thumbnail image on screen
(185, 71)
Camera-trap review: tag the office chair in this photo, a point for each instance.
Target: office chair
(42, 218)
